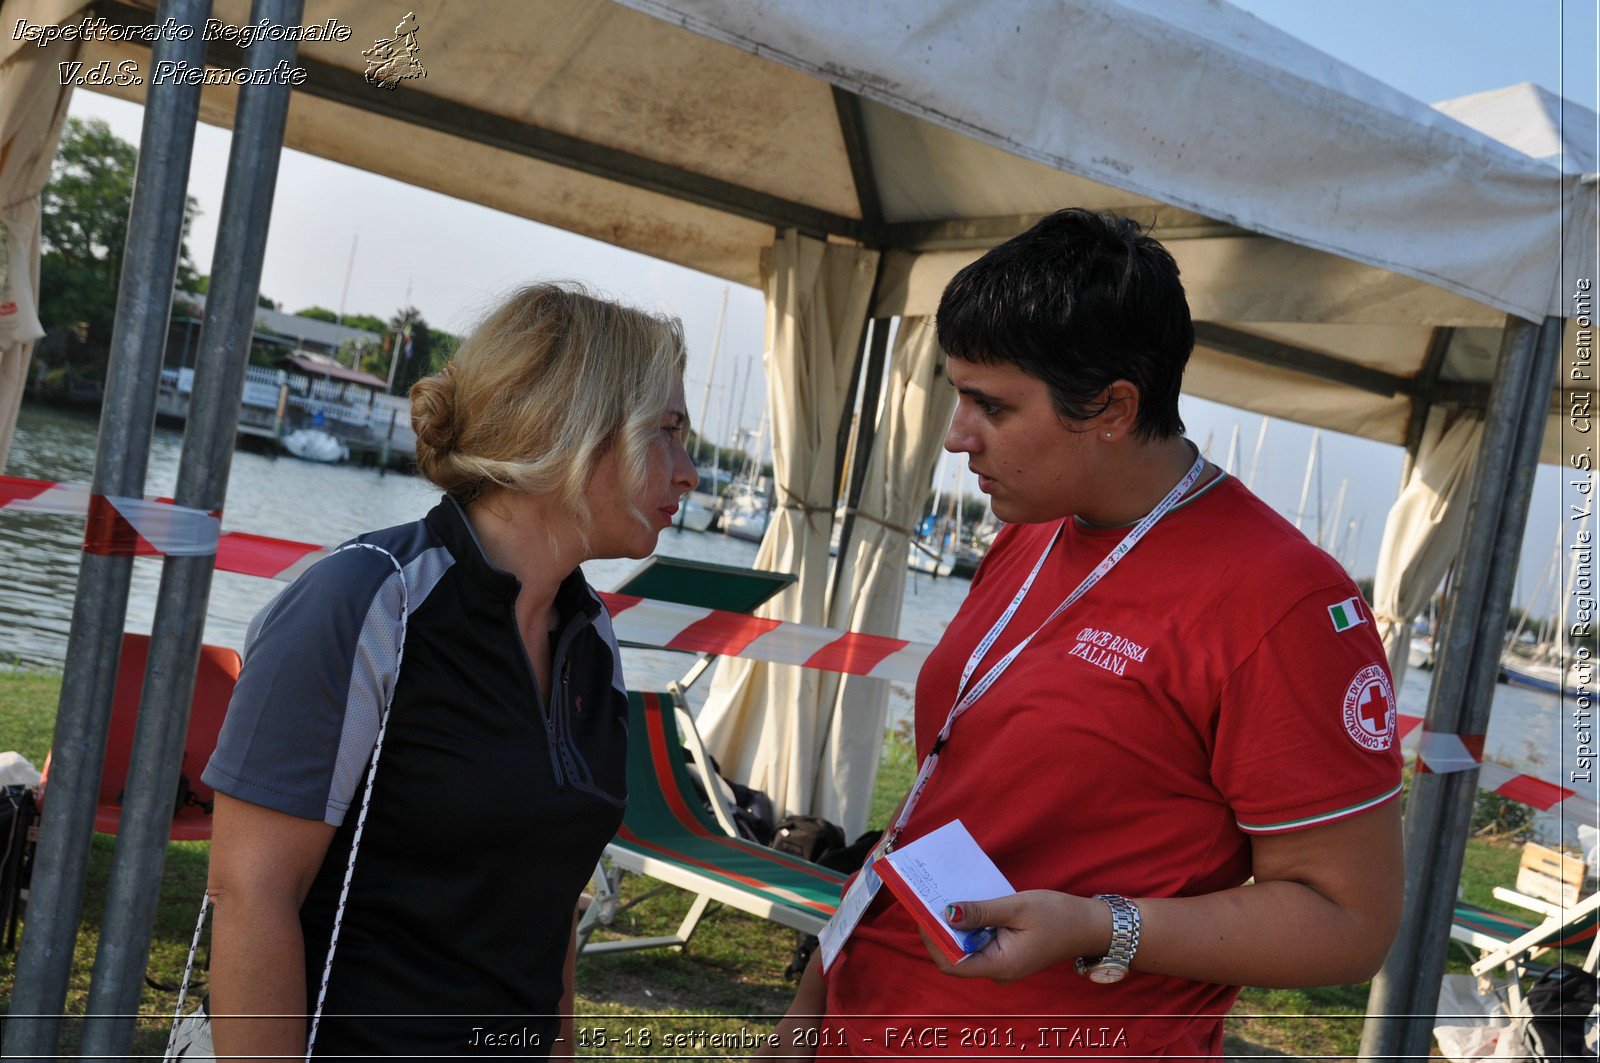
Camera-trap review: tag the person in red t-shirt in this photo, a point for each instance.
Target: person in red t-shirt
(1214, 708)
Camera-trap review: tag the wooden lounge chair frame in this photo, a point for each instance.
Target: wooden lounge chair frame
(1509, 947)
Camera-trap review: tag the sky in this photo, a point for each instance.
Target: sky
(452, 259)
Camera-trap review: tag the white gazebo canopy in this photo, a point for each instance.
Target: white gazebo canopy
(1325, 223)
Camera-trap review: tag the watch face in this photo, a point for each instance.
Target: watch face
(1106, 973)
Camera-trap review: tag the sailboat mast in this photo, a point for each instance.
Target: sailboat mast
(754, 467)
(1552, 568)
(938, 486)
(729, 432)
(1338, 508)
(1354, 542)
(744, 393)
(1255, 462)
(1305, 485)
(349, 268)
(344, 294)
(955, 504)
(711, 374)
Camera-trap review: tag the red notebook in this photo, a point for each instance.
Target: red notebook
(938, 869)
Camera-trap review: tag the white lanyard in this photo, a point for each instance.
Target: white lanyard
(965, 697)
(855, 903)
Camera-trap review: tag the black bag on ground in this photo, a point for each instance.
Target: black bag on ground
(752, 813)
(1559, 1003)
(848, 860)
(808, 837)
(19, 813)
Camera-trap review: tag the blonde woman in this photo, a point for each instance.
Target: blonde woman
(556, 436)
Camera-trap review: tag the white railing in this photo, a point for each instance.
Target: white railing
(261, 386)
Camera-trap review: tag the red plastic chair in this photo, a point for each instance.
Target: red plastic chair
(213, 688)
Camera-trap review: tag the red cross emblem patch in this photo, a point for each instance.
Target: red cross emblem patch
(1369, 709)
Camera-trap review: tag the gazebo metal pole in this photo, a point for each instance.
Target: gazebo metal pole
(127, 417)
(135, 884)
(847, 416)
(1405, 993)
(866, 432)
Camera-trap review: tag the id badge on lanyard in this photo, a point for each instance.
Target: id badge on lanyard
(858, 898)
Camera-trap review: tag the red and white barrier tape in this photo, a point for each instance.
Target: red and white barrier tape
(156, 526)
(156, 523)
(1442, 752)
(118, 527)
(688, 627)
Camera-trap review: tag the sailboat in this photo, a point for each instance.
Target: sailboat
(933, 550)
(744, 512)
(1543, 668)
(314, 444)
(969, 555)
(920, 557)
(744, 507)
(1422, 652)
(698, 509)
(694, 514)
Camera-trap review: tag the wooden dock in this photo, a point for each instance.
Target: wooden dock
(276, 402)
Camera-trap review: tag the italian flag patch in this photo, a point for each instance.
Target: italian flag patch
(1347, 614)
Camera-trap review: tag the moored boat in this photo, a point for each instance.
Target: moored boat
(921, 557)
(313, 444)
(1420, 653)
(744, 514)
(696, 515)
(1547, 676)
(964, 564)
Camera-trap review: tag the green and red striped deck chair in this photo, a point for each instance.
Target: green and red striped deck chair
(1509, 946)
(668, 835)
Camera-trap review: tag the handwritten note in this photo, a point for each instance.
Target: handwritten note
(939, 869)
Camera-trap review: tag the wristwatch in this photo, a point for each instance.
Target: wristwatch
(1114, 965)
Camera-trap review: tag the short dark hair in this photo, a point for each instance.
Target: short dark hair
(1082, 299)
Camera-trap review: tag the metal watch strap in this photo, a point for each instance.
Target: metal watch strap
(1117, 961)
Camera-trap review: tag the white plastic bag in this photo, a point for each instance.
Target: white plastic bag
(1472, 1026)
(191, 1039)
(1589, 842)
(15, 770)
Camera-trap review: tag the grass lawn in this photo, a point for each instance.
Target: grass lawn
(733, 967)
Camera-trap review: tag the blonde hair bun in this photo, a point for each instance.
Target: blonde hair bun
(433, 417)
(550, 379)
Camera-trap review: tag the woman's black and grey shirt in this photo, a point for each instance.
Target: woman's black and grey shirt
(491, 805)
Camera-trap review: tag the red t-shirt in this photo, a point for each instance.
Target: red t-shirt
(1224, 679)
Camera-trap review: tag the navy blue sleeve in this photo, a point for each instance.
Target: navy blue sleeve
(319, 666)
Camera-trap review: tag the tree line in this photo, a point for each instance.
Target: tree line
(83, 232)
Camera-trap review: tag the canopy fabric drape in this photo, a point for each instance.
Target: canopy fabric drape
(33, 107)
(1423, 531)
(917, 405)
(759, 720)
